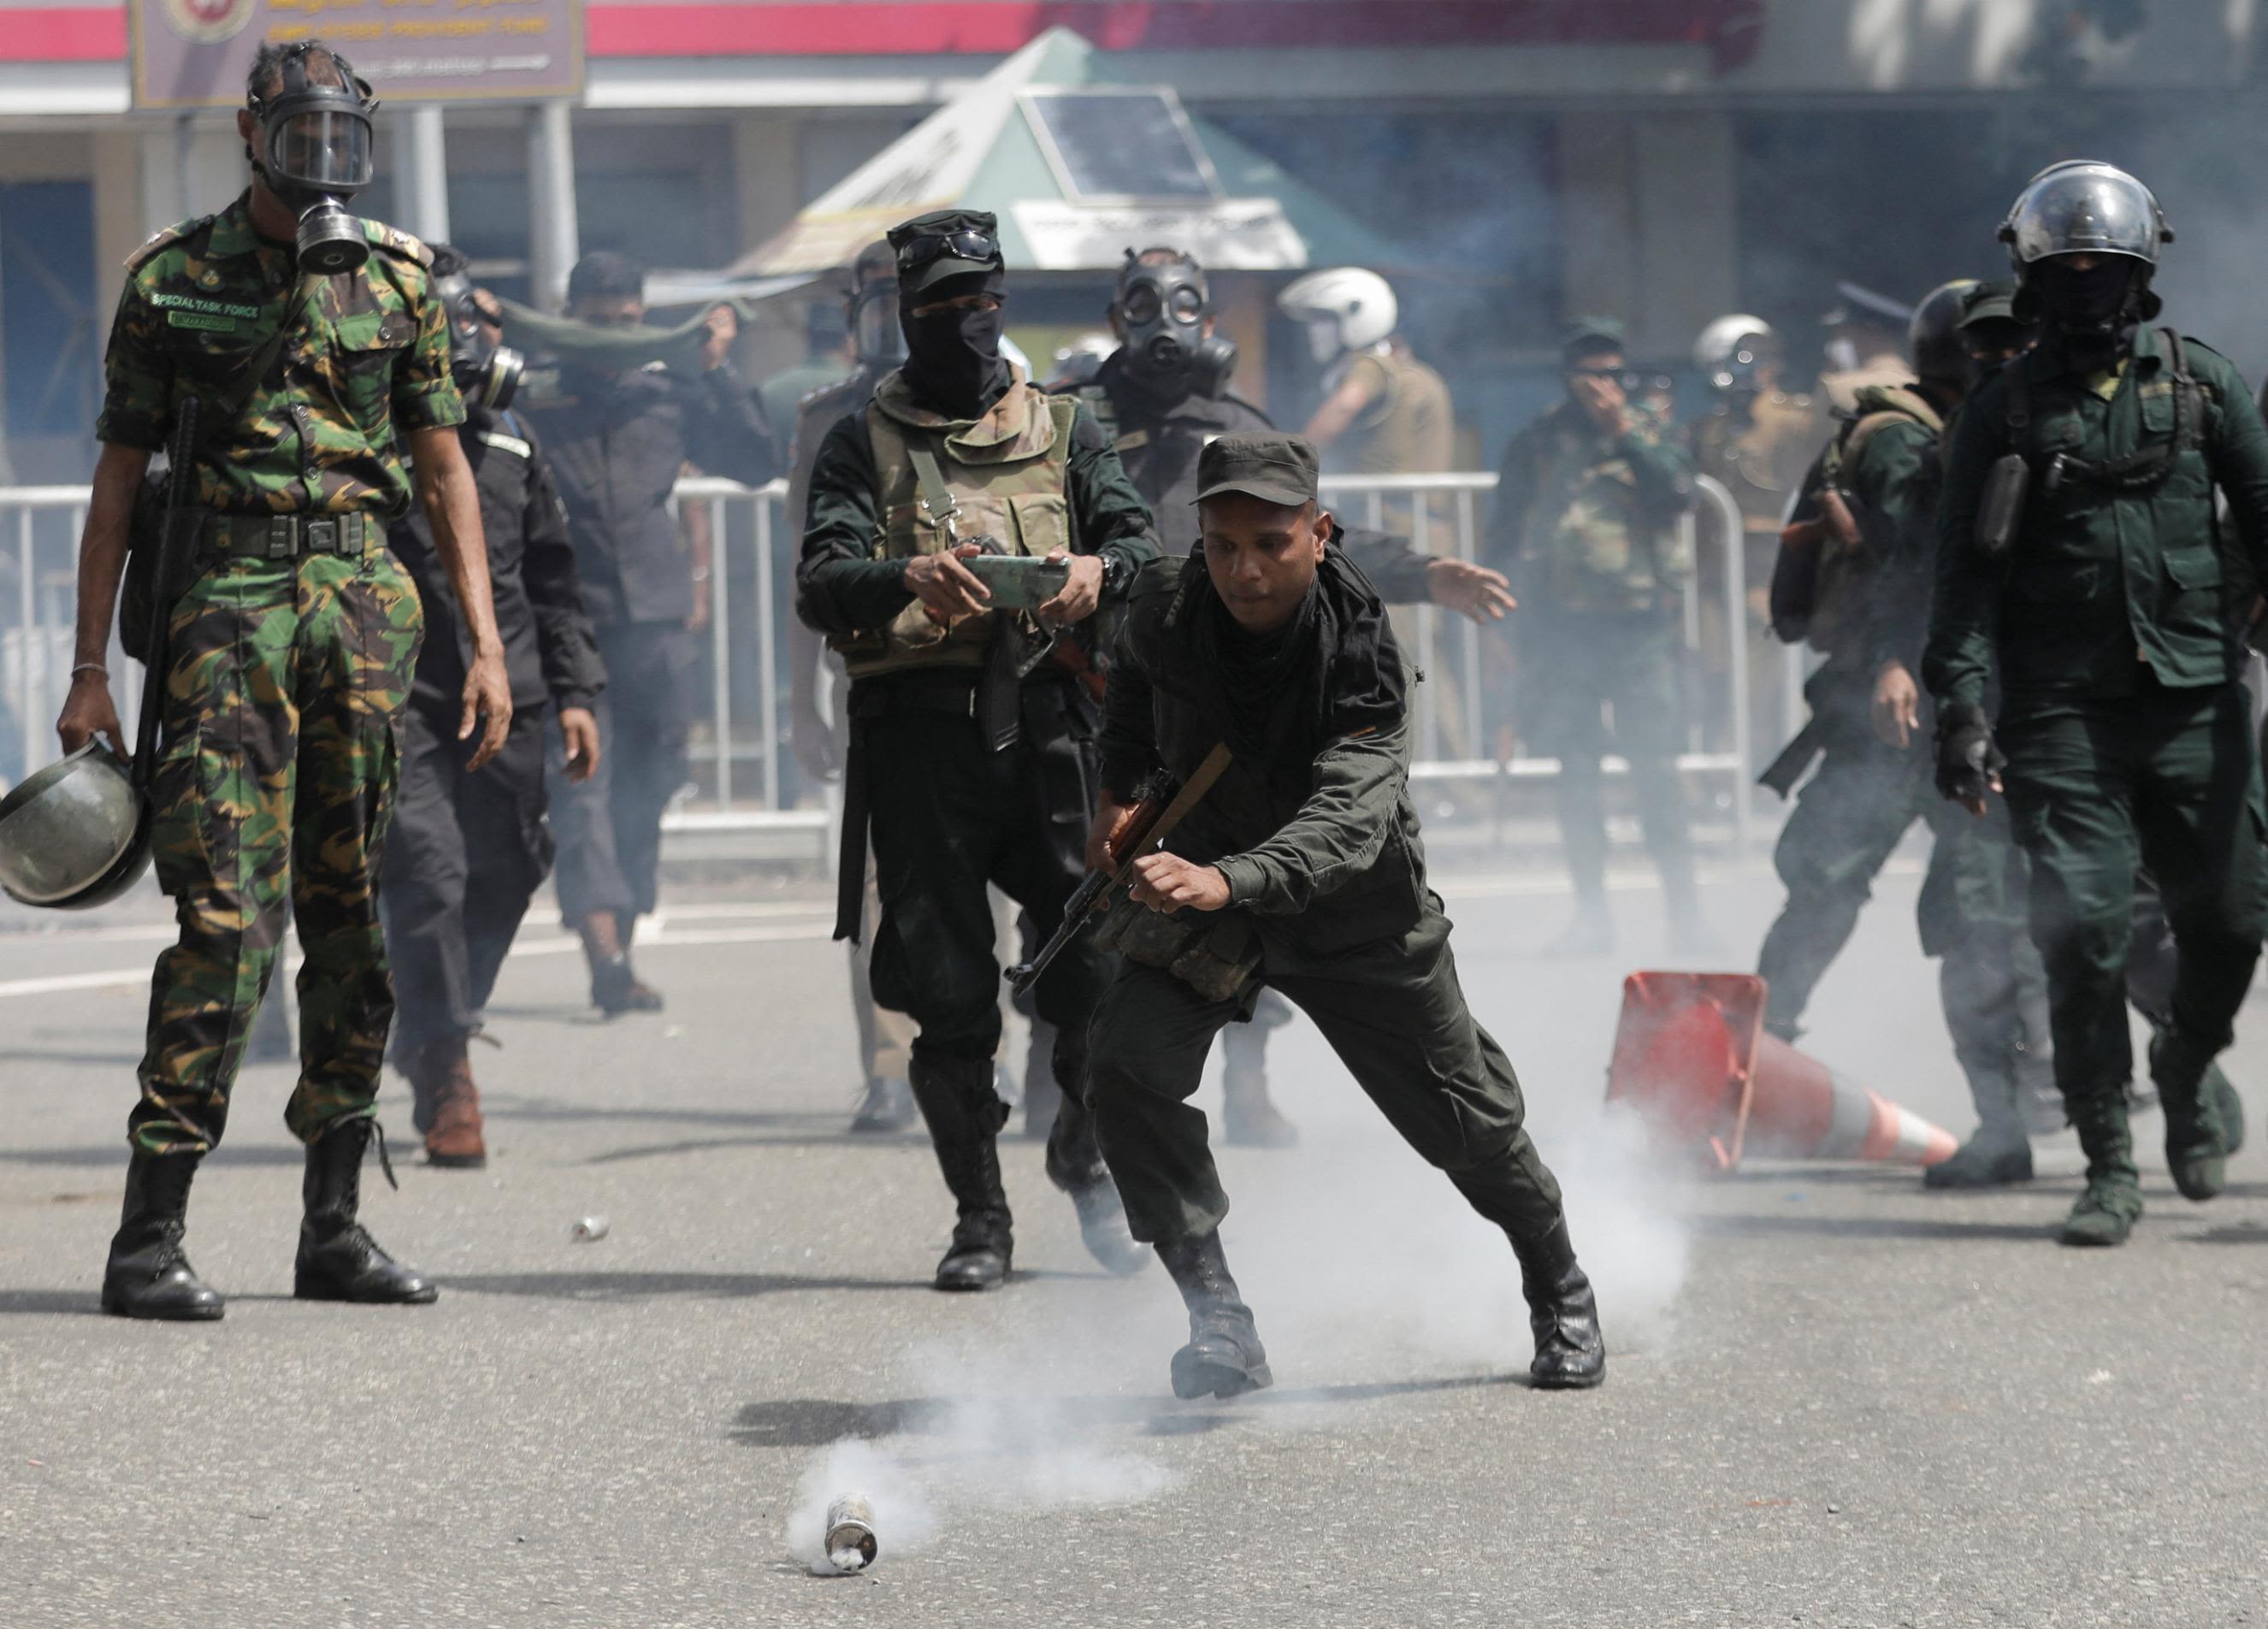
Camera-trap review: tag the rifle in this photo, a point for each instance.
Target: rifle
(167, 569)
(1149, 824)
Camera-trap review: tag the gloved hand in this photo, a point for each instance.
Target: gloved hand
(1969, 765)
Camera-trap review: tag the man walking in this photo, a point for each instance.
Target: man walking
(617, 443)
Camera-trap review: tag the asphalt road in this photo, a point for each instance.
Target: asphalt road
(1833, 1399)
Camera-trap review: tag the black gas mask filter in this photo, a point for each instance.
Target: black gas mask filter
(487, 373)
(1163, 307)
(316, 150)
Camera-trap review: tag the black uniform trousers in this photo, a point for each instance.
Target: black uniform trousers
(466, 852)
(1395, 1014)
(609, 829)
(948, 817)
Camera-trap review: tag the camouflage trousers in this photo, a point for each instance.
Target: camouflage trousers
(285, 685)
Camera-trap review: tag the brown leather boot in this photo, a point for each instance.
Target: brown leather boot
(454, 1136)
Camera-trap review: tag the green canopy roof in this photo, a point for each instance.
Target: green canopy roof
(1078, 166)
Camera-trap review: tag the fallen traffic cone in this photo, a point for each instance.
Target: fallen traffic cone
(1692, 1057)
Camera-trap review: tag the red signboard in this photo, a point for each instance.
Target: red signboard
(193, 52)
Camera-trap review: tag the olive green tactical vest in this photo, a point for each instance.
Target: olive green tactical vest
(1845, 579)
(1007, 472)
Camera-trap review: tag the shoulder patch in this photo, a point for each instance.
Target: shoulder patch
(395, 240)
(160, 240)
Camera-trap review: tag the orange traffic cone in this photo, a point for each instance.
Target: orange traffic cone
(1691, 1055)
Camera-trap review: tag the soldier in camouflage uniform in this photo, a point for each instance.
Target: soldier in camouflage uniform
(289, 660)
(1587, 501)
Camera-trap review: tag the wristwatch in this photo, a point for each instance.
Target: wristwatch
(1116, 575)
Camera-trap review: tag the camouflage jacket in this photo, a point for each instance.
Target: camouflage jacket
(367, 360)
(1583, 523)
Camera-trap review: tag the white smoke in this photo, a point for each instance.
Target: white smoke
(984, 1441)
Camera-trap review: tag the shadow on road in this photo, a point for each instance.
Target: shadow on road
(815, 1422)
(1866, 1227)
(13, 1301)
(643, 1286)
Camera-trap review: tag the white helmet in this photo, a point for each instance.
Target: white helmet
(1719, 343)
(1345, 309)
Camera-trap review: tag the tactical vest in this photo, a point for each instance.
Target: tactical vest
(1848, 564)
(1005, 475)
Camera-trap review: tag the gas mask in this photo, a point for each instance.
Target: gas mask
(1163, 310)
(874, 332)
(487, 373)
(315, 153)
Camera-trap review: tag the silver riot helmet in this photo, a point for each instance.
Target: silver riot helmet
(1731, 348)
(75, 835)
(870, 307)
(316, 151)
(2082, 207)
(487, 375)
(1162, 304)
(1934, 342)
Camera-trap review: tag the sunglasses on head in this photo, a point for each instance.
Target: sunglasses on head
(920, 251)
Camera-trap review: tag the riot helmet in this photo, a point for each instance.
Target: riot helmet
(487, 373)
(1933, 337)
(1163, 303)
(870, 303)
(75, 835)
(1731, 349)
(1344, 309)
(2083, 207)
(2084, 237)
(317, 151)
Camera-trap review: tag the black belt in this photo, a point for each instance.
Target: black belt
(285, 537)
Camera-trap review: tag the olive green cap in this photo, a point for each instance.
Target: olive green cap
(1266, 464)
(1593, 333)
(1989, 302)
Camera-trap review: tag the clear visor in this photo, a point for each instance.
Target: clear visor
(325, 148)
(874, 326)
(2086, 210)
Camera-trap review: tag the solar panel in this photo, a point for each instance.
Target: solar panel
(1134, 143)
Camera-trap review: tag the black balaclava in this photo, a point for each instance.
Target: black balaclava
(953, 357)
(2094, 311)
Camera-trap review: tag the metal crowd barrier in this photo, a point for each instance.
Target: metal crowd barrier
(745, 780)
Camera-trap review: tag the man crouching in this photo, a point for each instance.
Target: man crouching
(1299, 870)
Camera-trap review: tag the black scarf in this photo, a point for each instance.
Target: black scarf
(953, 356)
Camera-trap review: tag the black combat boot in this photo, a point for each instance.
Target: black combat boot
(1075, 1165)
(965, 1115)
(1224, 1357)
(2197, 1147)
(338, 1259)
(1562, 1314)
(148, 1275)
(2106, 1212)
(1997, 1153)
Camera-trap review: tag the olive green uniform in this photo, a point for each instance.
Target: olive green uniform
(2111, 622)
(1315, 834)
(1867, 794)
(291, 653)
(1585, 526)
